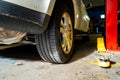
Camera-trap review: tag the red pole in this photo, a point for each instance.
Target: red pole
(111, 24)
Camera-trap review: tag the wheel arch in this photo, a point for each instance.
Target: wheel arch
(49, 44)
(70, 5)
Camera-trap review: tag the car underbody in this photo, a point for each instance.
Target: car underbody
(50, 26)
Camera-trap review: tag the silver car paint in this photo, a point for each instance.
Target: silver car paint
(81, 16)
(46, 6)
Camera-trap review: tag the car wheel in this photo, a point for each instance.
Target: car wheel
(56, 44)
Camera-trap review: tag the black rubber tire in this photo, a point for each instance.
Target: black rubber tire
(48, 43)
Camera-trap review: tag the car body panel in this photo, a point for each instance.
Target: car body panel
(46, 7)
(81, 16)
(17, 17)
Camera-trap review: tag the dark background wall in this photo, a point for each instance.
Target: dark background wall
(95, 2)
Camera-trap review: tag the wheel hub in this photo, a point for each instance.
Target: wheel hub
(66, 31)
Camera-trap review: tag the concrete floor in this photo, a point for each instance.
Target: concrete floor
(24, 63)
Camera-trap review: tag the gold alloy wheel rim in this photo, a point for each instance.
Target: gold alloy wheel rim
(66, 31)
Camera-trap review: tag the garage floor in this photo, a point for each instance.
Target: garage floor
(23, 63)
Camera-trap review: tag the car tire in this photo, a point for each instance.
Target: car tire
(56, 44)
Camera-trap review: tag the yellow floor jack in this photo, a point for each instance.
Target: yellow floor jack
(103, 56)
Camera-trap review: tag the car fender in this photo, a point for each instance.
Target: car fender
(44, 6)
(81, 17)
(30, 16)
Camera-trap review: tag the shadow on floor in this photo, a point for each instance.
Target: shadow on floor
(29, 52)
(84, 48)
(26, 52)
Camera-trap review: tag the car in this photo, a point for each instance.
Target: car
(49, 24)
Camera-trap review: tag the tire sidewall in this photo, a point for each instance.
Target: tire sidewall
(57, 18)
